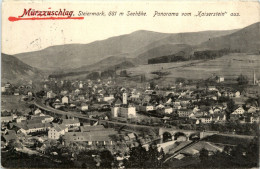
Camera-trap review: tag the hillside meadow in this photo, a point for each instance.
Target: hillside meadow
(229, 66)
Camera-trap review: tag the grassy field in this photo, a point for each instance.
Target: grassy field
(11, 102)
(229, 66)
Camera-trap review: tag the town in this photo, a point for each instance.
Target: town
(103, 123)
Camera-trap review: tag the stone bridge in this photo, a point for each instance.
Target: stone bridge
(168, 134)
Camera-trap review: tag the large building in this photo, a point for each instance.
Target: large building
(91, 135)
(57, 131)
(124, 111)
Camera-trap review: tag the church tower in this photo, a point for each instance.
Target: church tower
(124, 98)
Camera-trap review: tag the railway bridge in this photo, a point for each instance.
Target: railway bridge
(169, 134)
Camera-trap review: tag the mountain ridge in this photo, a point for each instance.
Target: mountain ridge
(70, 56)
(14, 70)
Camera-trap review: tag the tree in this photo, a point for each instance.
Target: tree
(137, 157)
(83, 165)
(153, 156)
(230, 108)
(204, 154)
(152, 85)
(242, 80)
(140, 158)
(106, 159)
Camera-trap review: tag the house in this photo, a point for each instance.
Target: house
(131, 136)
(56, 131)
(177, 103)
(220, 79)
(84, 107)
(145, 108)
(206, 119)
(252, 119)
(252, 109)
(32, 127)
(146, 99)
(160, 106)
(65, 100)
(3, 89)
(80, 85)
(64, 92)
(220, 117)
(184, 101)
(71, 122)
(184, 112)
(29, 93)
(212, 88)
(19, 119)
(16, 92)
(77, 91)
(239, 110)
(50, 94)
(42, 119)
(108, 98)
(37, 111)
(6, 119)
(237, 94)
(166, 110)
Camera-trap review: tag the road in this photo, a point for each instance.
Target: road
(82, 116)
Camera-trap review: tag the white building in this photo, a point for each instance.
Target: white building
(37, 111)
(56, 131)
(239, 110)
(237, 94)
(80, 85)
(206, 119)
(20, 119)
(127, 112)
(220, 79)
(65, 99)
(3, 89)
(212, 88)
(84, 107)
(71, 122)
(29, 94)
(108, 98)
(33, 127)
(168, 110)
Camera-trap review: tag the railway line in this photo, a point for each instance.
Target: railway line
(44, 107)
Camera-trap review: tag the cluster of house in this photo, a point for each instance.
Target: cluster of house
(178, 100)
(71, 130)
(9, 89)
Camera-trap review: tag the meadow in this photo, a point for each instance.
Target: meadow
(230, 66)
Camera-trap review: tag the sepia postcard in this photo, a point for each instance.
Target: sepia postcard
(130, 84)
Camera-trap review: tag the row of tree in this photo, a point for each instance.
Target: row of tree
(140, 158)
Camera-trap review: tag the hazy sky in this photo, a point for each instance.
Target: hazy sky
(25, 36)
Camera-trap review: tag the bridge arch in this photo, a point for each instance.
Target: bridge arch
(166, 136)
(180, 136)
